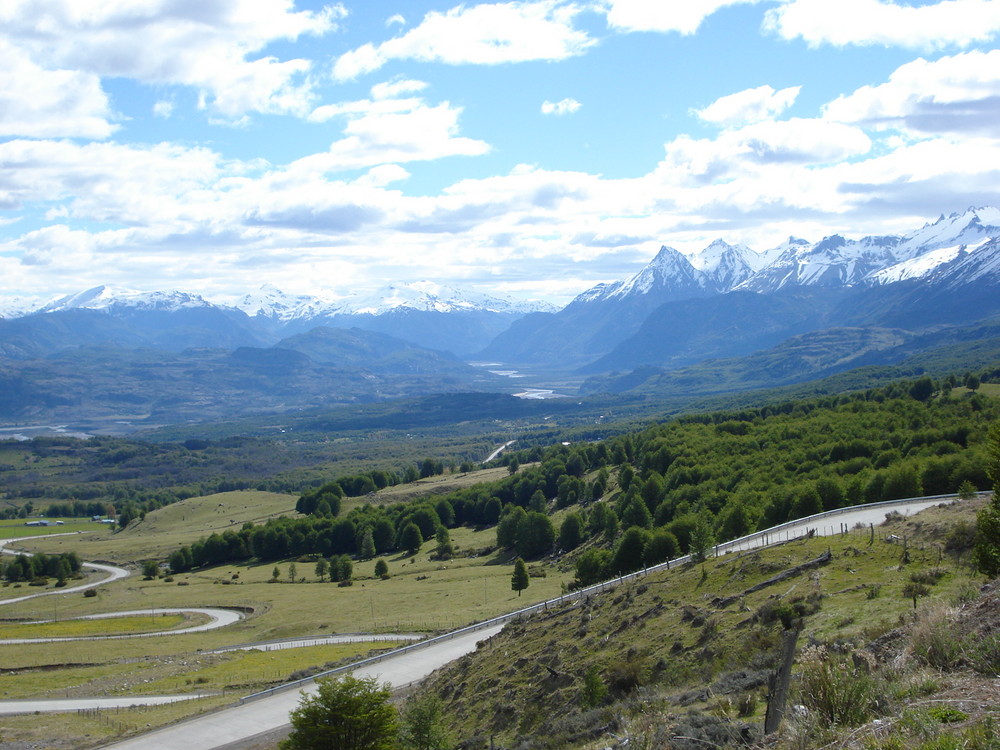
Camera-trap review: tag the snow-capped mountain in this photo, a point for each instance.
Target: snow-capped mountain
(724, 266)
(271, 303)
(429, 296)
(836, 261)
(970, 265)
(669, 273)
(953, 250)
(17, 307)
(833, 262)
(968, 228)
(105, 297)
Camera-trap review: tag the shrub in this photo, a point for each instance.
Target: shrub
(625, 675)
(984, 655)
(90, 592)
(928, 577)
(935, 643)
(839, 694)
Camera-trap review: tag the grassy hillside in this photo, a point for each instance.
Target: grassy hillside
(694, 639)
(688, 653)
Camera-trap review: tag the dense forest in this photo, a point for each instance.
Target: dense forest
(673, 487)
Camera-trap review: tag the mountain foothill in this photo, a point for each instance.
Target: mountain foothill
(725, 319)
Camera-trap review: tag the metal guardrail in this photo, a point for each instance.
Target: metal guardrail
(757, 539)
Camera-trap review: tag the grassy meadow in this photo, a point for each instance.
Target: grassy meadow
(16, 529)
(421, 594)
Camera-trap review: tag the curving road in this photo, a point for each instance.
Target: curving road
(114, 573)
(269, 711)
(218, 618)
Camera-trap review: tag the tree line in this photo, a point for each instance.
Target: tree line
(672, 488)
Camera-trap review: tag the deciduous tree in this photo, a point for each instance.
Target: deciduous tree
(346, 713)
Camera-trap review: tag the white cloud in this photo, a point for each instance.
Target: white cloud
(391, 128)
(392, 89)
(210, 45)
(563, 107)
(382, 175)
(163, 108)
(415, 131)
(110, 182)
(394, 20)
(797, 142)
(485, 34)
(943, 24)
(750, 105)
(42, 103)
(683, 16)
(953, 94)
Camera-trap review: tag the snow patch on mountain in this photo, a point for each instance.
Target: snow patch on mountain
(670, 270)
(430, 296)
(271, 303)
(915, 268)
(969, 266)
(18, 307)
(967, 228)
(105, 297)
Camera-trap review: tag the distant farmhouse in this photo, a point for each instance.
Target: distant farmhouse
(43, 522)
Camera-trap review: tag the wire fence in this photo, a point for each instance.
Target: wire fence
(820, 524)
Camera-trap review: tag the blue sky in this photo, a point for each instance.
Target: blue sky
(531, 147)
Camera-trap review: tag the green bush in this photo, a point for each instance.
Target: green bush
(936, 644)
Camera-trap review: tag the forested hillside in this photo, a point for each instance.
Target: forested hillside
(674, 487)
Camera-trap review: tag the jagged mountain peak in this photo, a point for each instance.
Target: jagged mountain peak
(969, 227)
(669, 271)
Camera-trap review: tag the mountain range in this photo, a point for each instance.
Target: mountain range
(780, 316)
(730, 300)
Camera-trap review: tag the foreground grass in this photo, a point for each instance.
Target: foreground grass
(421, 594)
(693, 639)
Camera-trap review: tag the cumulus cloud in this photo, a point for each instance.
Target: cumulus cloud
(749, 105)
(391, 128)
(959, 23)
(211, 45)
(958, 94)
(798, 142)
(563, 107)
(642, 15)
(46, 103)
(485, 34)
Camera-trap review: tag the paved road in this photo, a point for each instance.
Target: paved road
(320, 640)
(270, 712)
(114, 573)
(218, 618)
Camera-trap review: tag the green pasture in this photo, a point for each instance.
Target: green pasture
(168, 528)
(436, 485)
(130, 625)
(16, 529)
(421, 594)
(97, 728)
(241, 672)
(426, 594)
